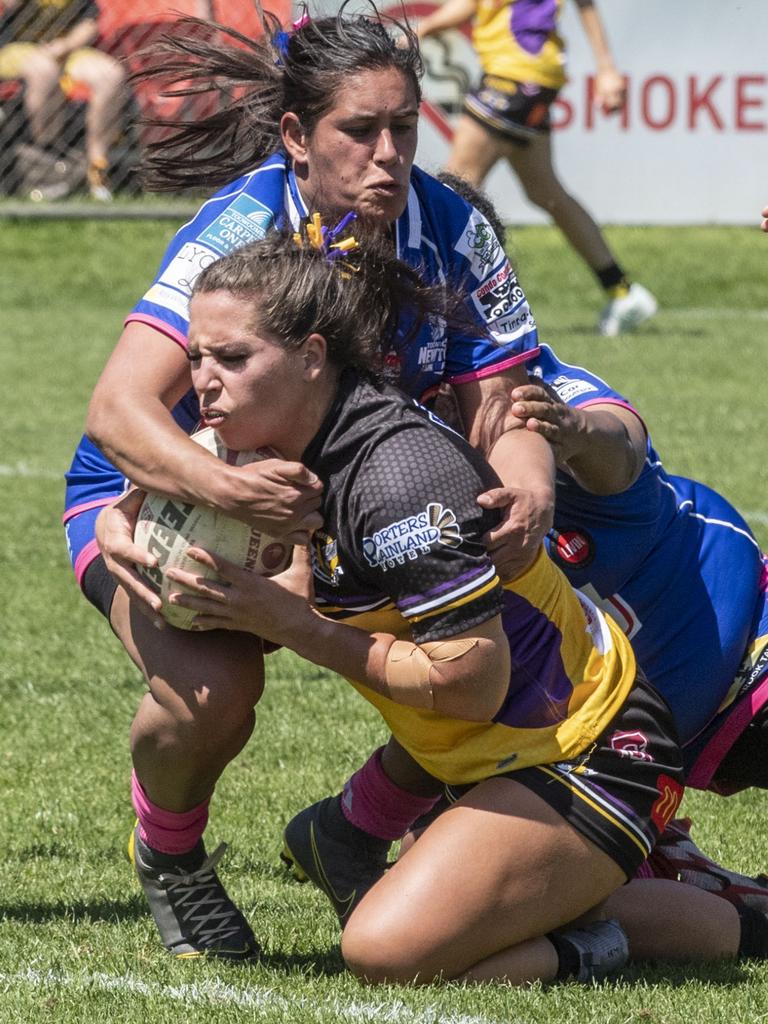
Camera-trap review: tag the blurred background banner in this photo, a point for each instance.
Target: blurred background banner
(70, 122)
(691, 146)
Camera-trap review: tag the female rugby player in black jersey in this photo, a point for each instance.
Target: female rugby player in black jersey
(521, 694)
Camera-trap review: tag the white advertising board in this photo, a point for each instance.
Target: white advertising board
(691, 146)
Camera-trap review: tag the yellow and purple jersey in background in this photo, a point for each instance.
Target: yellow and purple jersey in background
(401, 551)
(518, 40)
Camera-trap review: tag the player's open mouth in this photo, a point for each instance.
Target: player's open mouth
(212, 417)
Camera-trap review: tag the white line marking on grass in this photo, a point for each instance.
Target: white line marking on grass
(23, 469)
(218, 993)
(710, 312)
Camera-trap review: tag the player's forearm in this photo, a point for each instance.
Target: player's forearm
(471, 688)
(147, 446)
(609, 459)
(452, 14)
(524, 461)
(594, 30)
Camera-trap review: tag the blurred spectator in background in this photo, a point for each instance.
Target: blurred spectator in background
(48, 46)
(507, 117)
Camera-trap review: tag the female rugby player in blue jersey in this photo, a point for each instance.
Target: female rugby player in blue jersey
(323, 115)
(520, 695)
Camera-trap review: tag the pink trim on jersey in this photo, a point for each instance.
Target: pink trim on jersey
(763, 584)
(613, 401)
(87, 555)
(159, 325)
(77, 509)
(712, 755)
(492, 371)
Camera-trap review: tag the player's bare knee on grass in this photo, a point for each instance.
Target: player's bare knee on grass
(376, 952)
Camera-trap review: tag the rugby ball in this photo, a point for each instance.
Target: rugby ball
(167, 528)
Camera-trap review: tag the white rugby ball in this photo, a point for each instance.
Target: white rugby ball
(167, 528)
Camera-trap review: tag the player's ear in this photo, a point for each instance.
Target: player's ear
(294, 137)
(314, 355)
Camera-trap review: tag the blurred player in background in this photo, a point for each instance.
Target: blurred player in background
(49, 46)
(508, 117)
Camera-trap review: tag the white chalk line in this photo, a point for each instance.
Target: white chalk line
(23, 470)
(714, 312)
(218, 993)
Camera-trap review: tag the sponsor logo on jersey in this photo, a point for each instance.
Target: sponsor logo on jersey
(574, 548)
(244, 220)
(183, 270)
(432, 355)
(325, 558)
(499, 295)
(568, 388)
(670, 795)
(413, 536)
(502, 329)
(479, 244)
(751, 671)
(169, 299)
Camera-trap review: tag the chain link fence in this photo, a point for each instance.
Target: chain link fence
(71, 122)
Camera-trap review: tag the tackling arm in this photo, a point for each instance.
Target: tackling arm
(129, 419)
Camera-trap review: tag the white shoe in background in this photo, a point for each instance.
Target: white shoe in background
(625, 313)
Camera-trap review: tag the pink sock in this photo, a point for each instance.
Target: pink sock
(373, 802)
(167, 831)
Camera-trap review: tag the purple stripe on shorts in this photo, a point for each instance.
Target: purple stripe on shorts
(441, 589)
(531, 23)
(539, 688)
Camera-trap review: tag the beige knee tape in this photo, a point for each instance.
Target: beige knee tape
(408, 667)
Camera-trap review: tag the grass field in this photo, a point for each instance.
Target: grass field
(76, 943)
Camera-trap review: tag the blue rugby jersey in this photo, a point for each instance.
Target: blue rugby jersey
(439, 233)
(669, 559)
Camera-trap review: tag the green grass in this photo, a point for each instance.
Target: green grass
(76, 943)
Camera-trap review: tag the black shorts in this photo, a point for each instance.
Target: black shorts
(99, 586)
(518, 111)
(731, 752)
(621, 792)
(746, 763)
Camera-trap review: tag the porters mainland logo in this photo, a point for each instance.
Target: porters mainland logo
(412, 536)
